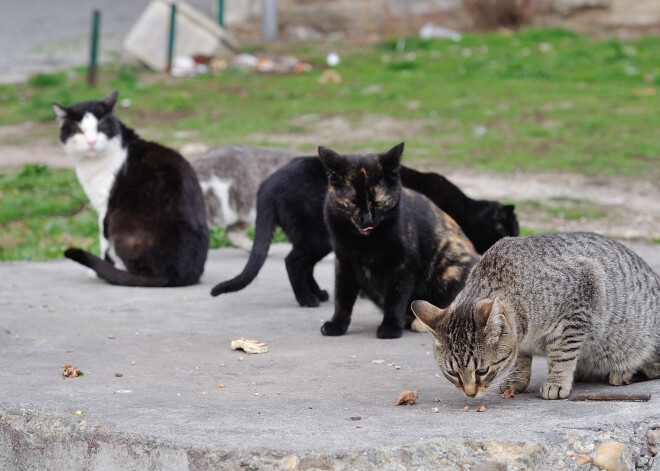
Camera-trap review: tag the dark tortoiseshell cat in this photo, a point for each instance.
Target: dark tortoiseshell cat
(391, 243)
(586, 302)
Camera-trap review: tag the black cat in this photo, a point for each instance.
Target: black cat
(292, 198)
(150, 205)
(483, 221)
(391, 243)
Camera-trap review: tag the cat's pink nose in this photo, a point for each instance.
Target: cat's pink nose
(91, 143)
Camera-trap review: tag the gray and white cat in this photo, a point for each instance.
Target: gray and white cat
(586, 302)
(230, 176)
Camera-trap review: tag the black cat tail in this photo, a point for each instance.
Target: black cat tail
(108, 272)
(263, 235)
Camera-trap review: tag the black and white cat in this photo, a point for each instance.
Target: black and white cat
(152, 223)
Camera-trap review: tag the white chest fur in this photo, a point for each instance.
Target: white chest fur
(97, 160)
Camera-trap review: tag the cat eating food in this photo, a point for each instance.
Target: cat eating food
(391, 243)
(150, 208)
(586, 302)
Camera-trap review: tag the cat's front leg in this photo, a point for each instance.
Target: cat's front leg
(562, 353)
(346, 292)
(397, 301)
(519, 378)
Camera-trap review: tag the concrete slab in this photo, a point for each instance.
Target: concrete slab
(309, 403)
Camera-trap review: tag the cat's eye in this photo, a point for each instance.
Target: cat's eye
(452, 373)
(483, 371)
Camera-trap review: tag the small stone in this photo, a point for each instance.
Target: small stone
(481, 408)
(111, 337)
(435, 410)
(78, 412)
(132, 363)
(583, 459)
(309, 463)
(653, 440)
(466, 408)
(240, 358)
(119, 375)
(291, 462)
(501, 450)
(358, 426)
(613, 456)
(570, 453)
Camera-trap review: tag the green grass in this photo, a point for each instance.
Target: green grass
(538, 100)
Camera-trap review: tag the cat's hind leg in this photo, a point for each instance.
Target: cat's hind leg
(237, 237)
(619, 379)
(300, 264)
(651, 369)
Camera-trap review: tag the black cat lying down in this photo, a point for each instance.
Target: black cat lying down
(293, 198)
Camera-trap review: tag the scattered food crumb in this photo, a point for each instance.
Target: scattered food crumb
(119, 375)
(178, 394)
(78, 412)
(351, 356)
(249, 346)
(69, 351)
(240, 358)
(221, 386)
(34, 338)
(111, 337)
(79, 334)
(437, 399)
(466, 408)
(509, 393)
(481, 408)
(8, 331)
(205, 393)
(406, 397)
(132, 363)
(71, 371)
(358, 426)
(223, 364)
(435, 410)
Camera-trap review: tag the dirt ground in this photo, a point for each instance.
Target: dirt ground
(619, 207)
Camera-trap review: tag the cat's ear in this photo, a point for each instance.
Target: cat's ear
(391, 160)
(111, 99)
(60, 112)
(331, 160)
(430, 315)
(491, 312)
(506, 212)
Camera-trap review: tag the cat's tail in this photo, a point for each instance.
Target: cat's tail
(263, 235)
(108, 272)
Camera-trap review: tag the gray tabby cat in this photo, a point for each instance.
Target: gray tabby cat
(586, 302)
(230, 176)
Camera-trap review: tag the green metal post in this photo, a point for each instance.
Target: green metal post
(221, 12)
(91, 73)
(170, 43)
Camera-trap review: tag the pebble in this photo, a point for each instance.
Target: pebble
(653, 440)
(501, 450)
(318, 463)
(613, 456)
(291, 462)
(119, 375)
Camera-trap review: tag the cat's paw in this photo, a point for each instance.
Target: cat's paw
(309, 301)
(619, 379)
(518, 386)
(333, 330)
(323, 295)
(555, 391)
(387, 331)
